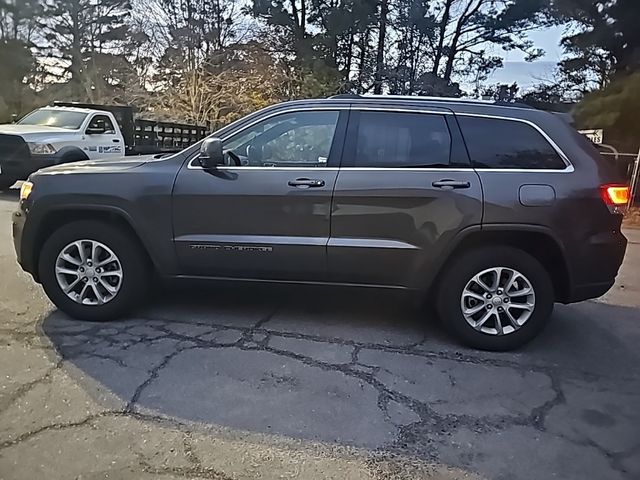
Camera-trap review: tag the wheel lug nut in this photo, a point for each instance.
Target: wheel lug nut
(488, 295)
(506, 300)
(81, 269)
(85, 279)
(95, 279)
(499, 292)
(489, 307)
(499, 309)
(88, 264)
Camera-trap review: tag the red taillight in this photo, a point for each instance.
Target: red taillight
(615, 195)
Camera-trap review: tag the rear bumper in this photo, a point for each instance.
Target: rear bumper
(596, 265)
(588, 291)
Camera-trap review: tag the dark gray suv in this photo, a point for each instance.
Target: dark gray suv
(494, 211)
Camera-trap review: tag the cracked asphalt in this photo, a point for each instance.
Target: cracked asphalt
(214, 382)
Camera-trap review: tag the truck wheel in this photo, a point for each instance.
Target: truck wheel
(93, 271)
(495, 298)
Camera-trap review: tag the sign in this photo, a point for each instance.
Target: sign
(596, 135)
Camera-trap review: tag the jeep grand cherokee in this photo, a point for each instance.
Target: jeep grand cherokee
(494, 211)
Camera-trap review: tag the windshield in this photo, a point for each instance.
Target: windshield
(54, 118)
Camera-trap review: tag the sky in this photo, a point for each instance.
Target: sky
(528, 74)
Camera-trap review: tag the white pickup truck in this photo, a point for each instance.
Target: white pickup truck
(72, 132)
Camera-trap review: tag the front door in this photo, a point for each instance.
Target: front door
(266, 214)
(101, 139)
(404, 190)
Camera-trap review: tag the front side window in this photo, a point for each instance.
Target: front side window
(394, 139)
(101, 123)
(299, 139)
(497, 143)
(50, 117)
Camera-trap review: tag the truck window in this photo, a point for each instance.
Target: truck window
(102, 122)
(54, 118)
(497, 143)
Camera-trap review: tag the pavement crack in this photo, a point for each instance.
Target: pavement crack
(152, 376)
(55, 426)
(27, 387)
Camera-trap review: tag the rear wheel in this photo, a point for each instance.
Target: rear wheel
(93, 270)
(495, 298)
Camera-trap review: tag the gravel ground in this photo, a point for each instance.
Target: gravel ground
(248, 383)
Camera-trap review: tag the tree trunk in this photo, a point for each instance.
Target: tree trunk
(442, 30)
(384, 10)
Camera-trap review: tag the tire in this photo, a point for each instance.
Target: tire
(458, 275)
(130, 257)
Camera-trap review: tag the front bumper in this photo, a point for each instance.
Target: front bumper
(21, 168)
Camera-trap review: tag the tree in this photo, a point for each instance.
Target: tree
(604, 42)
(614, 108)
(17, 26)
(79, 34)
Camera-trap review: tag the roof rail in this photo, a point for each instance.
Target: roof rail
(437, 99)
(346, 95)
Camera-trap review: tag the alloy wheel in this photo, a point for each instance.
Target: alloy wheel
(88, 272)
(498, 301)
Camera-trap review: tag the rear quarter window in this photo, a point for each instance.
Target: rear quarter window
(498, 143)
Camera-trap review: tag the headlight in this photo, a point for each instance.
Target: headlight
(41, 148)
(25, 190)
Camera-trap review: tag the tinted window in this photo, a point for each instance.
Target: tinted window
(386, 139)
(102, 122)
(291, 139)
(495, 143)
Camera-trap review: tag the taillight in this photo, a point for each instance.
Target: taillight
(616, 197)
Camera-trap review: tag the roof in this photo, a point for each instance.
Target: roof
(72, 109)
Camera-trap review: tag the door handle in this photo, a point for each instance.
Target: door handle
(448, 184)
(115, 140)
(306, 183)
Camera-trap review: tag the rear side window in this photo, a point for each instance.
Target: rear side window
(389, 139)
(497, 143)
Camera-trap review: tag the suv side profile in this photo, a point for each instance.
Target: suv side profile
(494, 211)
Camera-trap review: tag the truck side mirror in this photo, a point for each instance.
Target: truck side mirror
(211, 154)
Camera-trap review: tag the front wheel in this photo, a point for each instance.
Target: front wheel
(93, 270)
(495, 298)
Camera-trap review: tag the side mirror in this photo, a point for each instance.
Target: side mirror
(95, 130)
(211, 154)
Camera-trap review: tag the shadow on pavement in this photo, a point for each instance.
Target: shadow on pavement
(354, 367)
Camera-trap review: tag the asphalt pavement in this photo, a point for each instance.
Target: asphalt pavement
(235, 382)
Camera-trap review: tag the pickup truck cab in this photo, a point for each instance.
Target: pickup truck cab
(54, 135)
(492, 212)
(70, 132)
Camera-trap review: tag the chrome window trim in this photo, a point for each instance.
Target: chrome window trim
(568, 165)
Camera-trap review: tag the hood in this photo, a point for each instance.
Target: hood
(94, 166)
(15, 129)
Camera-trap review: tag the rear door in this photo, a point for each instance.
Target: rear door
(404, 190)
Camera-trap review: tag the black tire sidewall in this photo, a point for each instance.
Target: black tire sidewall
(469, 264)
(132, 261)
